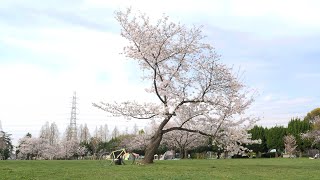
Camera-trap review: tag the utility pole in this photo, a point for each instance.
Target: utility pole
(73, 118)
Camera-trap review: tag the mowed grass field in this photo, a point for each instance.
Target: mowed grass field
(170, 169)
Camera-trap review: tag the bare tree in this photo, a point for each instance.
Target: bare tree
(115, 132)
(102, 133)
(50, 133)
(80, 131)
(135, 129)
(186, 77)
(45, 131)
(106, 133)
(67, 134)
(84, 134)
(54, 134)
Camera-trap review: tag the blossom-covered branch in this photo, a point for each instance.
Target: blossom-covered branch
(130, 109)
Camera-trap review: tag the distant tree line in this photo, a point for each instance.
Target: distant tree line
(273, 138)
(298, 137)
(49, 144)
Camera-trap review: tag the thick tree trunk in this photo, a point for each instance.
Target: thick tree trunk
(181, 153)
(152, 148)
(186, 154)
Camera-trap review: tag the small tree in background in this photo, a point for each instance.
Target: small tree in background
(84, 134)
(50, 133)
(234, 139)
(312, 114)
(289, 144)
(183, 141)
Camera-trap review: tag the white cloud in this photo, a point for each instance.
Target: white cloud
(291, 11)
(280, 16)
(268, 97)
(156, 8)
(277, 109)
(308, 75)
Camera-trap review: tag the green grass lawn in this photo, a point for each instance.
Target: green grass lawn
(170, 169)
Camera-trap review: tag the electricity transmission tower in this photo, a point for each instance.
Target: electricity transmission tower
(73, 118)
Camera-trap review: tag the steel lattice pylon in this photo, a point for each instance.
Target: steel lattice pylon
(73, 118)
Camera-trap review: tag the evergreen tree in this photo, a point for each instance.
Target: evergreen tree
(274, 138)
(6, 146)
(258, 132)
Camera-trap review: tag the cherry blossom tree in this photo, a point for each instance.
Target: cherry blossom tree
(314, 134)
(70, 148)
(183, 140)
(81, 151)
(40, 148)
(289, 144)
(137, 142)
(26, 150)
(51, 151)
(185, 76)
(140, 140)
(34, 148)
(23, 149)
(232, 137)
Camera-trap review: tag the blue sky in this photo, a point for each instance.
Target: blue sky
(48, 49)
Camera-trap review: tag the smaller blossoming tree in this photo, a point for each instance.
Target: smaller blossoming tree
(290, 145)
